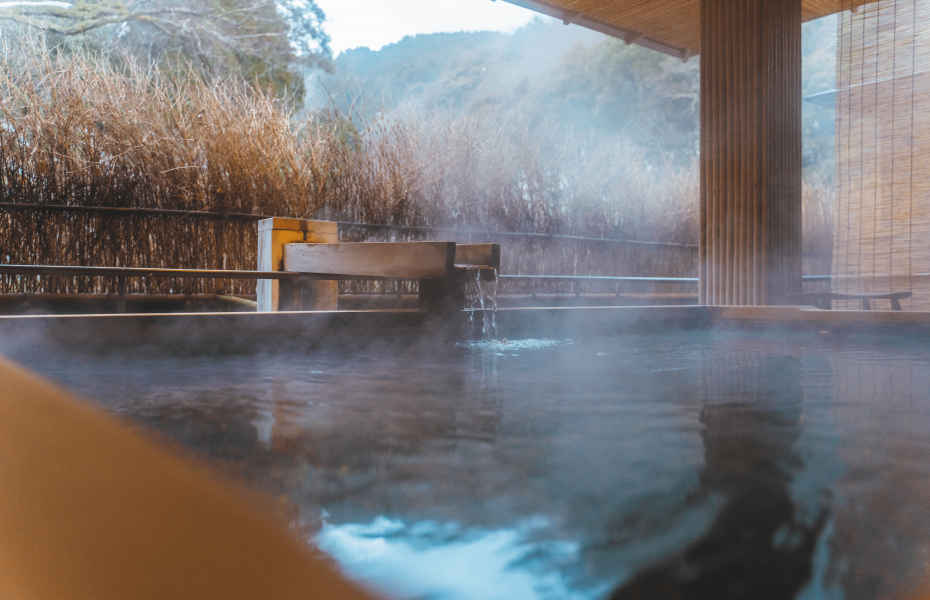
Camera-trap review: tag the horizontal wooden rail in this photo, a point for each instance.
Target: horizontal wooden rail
(584, 278)
(12, 299)
(526, 234)
(125, 210)
(253, 217)
(69, 271)
(121, 273)
(556, 278)
(79, 271)
(66, 271)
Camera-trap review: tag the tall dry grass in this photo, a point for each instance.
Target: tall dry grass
(91, 131)
(79, 130)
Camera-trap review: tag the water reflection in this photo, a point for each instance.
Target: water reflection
(881, 543)
(756, 546)
(661, 466)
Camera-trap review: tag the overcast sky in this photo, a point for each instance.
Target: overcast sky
(375, 23)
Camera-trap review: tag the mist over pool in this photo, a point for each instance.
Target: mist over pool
(582, 468)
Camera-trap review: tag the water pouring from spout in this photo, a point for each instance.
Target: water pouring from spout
(479, 284)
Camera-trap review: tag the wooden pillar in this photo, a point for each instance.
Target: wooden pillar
(273, 295)
(750, 244)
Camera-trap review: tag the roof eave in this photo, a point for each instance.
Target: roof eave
(627, 35)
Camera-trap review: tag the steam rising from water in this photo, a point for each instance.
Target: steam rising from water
(640, 453)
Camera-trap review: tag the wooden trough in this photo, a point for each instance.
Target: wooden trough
(310, 248)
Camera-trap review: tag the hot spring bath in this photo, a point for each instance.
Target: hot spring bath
(723, 464)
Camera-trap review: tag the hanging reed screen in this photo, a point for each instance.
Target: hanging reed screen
(882, 228)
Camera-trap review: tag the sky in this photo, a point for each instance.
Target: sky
(376, 23)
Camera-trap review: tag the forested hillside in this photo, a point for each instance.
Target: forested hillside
(552, 129)
(269, 44)
(569, 76)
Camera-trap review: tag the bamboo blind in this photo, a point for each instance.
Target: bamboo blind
(882, 228)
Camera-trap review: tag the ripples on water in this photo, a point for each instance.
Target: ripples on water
(433, 560)
(674, 465)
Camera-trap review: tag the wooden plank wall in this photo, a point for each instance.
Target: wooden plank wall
(882, 227)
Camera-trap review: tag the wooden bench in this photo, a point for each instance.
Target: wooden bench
(827, 298)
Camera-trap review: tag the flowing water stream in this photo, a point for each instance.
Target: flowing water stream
(480, 287)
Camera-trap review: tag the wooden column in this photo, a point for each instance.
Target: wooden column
(750, 244)
(272, 295)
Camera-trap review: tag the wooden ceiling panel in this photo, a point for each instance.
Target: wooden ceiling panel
(673, 24)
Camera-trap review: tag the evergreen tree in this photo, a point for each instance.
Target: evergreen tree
(271, 44)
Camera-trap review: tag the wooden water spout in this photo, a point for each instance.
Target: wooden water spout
(447, 294)
(310, 247)
(402, 260)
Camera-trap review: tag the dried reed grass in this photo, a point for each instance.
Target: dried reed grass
(89, 131)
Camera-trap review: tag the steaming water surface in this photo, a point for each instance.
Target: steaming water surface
(702, 464)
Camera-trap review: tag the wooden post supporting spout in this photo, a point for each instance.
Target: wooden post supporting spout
(750, 233)
(273, 235)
